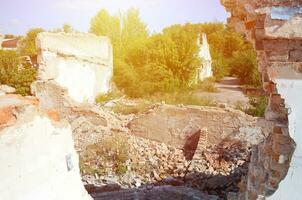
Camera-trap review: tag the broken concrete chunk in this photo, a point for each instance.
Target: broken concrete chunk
(33, 154)
(5, 89)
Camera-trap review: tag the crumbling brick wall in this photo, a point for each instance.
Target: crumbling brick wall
(274, 27)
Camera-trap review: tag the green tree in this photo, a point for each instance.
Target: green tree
(27, 45)
(67, 28)
(134, 34)
(103, 24)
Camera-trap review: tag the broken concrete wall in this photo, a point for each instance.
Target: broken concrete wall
(168, 124)
(81, 63)
(38, 159)
(275, 29)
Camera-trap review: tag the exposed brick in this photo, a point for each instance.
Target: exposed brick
(295, 56)
(259, 33)
(250, 24)
(276, 45)
(295, 45)
(278, 55)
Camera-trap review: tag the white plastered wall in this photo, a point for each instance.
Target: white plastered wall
(291, 90)
(38, 161)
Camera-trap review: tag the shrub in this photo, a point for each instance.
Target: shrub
(244, 66)
(257, 106)
(16, 74)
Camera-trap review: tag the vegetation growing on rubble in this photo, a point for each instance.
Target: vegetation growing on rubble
(112, 150)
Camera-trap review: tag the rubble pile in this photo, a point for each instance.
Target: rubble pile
(214, 170)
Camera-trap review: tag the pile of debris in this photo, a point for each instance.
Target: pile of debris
(215, 170)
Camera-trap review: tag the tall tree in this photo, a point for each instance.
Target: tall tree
(103, 24)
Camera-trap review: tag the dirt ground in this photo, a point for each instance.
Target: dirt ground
(230, 92)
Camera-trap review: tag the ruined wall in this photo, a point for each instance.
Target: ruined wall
(81, 63)
(168, 124)
(38, 159)
(275, 29)
(205, 71)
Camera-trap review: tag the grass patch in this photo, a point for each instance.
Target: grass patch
(207, 85)
(184, 97)
(110, 153)
(130, 109)
(103, 98)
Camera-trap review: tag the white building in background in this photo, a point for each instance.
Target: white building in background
(8, 43)
(205, 70)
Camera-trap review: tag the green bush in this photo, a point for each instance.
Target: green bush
(15, 73)
(244, 66)
(257, 106)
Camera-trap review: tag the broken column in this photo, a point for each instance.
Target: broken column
(81, 63)
(38, 159)
(275, 29)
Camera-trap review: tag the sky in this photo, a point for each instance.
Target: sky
(18, 16)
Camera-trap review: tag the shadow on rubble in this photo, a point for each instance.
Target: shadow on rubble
(194, 186)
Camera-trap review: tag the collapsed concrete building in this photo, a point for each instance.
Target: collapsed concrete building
(27, 124)
(81, 63)
(275, 29)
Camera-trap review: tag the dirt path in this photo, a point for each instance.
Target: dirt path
(230, 92)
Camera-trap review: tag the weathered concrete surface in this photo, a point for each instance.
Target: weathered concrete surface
(38, 159)
(275, 29)
(81, 63)
(167, 124)
(284, 22)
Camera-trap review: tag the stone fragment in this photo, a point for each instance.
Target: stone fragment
(5, 89)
